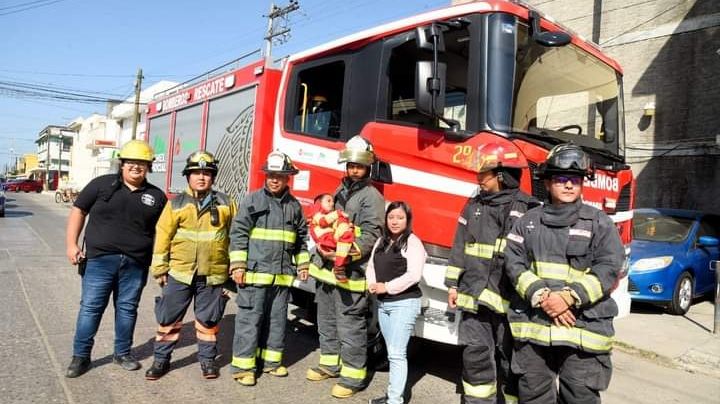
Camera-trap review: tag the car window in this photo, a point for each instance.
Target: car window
(657, 227)
(709, 226)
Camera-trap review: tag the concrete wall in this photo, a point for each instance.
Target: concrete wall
(670, 53)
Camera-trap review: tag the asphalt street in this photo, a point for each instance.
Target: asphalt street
(39, 296)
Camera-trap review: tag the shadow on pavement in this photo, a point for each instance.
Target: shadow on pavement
(16, 213)
(433, 358)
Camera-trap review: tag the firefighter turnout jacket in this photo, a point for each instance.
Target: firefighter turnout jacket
(366, 209)
(476, 261)
(572, 247)
(187, 243)
(268, 238)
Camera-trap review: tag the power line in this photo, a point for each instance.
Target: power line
(43, 3)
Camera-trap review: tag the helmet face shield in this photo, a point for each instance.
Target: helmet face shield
(201, 160)
(570, 159)
(357, 150)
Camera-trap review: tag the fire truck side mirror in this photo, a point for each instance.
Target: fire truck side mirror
(430, 88)
(381, 172)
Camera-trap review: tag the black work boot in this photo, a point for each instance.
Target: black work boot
(127, 362)
(157, 370)
(210, 369)
(78, 366)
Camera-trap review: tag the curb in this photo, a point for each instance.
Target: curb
(691, 362)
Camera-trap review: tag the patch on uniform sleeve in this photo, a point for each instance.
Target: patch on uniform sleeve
(462, 221)
(580, 232)
(516, 213)
(515, 238)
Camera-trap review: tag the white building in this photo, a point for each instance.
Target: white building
(98, 138)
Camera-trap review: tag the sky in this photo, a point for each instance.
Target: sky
(95, 47)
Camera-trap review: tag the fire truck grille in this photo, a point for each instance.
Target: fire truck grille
(538, 188)
(437, 316)
(623, 203)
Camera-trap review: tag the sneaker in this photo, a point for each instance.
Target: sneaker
(319, 373)
(245, 378)
(279, 371)
(78, 366)
(127, 362)
(210, 369)
(379, 400)
(157, 370)
(340, 390)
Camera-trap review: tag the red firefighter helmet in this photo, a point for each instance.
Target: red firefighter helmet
(490, 156)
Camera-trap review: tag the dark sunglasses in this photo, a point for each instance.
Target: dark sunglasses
(563, 179)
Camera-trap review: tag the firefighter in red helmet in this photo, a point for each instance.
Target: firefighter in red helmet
(475, 276)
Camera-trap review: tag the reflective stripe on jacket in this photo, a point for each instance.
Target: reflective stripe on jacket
(585, 258)
(186, 242)
(269, 234)
(476, 261)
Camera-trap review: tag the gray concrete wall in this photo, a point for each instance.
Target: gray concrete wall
(670, 53)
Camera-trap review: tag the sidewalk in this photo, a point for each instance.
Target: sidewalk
(684, 342)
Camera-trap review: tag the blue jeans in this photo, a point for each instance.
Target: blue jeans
(124, 278)
(397, 321)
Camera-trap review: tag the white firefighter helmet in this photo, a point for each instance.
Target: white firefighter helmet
(357, 150)
(279, 163)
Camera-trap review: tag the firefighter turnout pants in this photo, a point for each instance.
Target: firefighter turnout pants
(259, 327)
(487, 349)
(342, 325)
(582, 374)
(170, 308)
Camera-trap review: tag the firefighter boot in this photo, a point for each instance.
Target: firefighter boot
(341, 390)
(157, 370)
(279, 371)
(319, 373)
(245, 378)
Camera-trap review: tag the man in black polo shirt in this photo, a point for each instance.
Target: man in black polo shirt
(123, 210)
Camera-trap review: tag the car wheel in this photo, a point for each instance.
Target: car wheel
(682, 295)
(2, 212)
(58, 197)
(38, 190)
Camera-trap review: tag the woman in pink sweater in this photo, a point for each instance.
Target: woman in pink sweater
(393, 273)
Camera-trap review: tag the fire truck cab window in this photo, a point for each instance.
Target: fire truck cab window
(401, 75)
(318, 100)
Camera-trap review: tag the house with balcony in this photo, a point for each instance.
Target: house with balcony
(54, 145)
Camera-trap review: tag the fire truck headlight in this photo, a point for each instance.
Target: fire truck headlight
(651, 264)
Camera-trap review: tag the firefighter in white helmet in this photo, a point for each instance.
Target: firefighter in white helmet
(190, 263)
(475, 277)
(268, 244)
(342, 307)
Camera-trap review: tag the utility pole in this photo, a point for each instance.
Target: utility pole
(281, 30)
(136, 110)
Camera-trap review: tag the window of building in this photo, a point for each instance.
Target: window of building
(317, 105)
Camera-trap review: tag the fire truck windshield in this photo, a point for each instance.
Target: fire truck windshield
(566, 93)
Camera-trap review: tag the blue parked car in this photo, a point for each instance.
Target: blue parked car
(671, 257)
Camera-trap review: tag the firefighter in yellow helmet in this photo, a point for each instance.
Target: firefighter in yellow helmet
(342, 307)
(268, 245)
(190, 263)
(123, 209)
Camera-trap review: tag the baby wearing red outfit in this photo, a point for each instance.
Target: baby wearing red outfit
(331, 228)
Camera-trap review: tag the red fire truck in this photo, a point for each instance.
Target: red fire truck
(426, 91)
